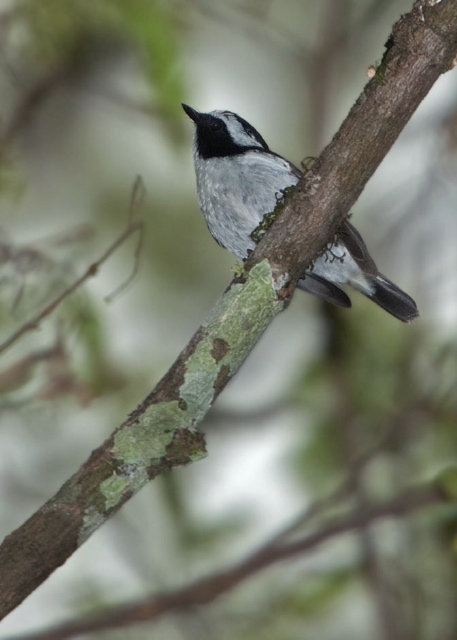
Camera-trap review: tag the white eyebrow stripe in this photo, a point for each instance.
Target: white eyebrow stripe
(236, 128)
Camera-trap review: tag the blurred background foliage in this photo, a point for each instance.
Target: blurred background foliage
(331, 402)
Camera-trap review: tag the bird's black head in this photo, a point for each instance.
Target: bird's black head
(222, 133)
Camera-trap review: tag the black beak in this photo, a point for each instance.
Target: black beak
(192, 113)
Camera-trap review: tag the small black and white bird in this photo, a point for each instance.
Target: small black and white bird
(239, 181)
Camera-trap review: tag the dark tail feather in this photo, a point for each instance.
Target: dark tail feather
(392, 299)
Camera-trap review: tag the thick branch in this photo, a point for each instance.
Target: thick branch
(424, 44)
(160, 433)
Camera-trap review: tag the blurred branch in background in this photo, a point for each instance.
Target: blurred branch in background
(133, 226)
(206, 590)
(343, 412)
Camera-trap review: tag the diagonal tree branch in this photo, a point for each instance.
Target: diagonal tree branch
(160, 433)
(421, 47)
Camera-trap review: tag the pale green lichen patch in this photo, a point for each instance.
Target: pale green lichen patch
(92, 520)
(137, 476)
(146, 441)
(243, 313)
(197, 455)
(237, 321)
(201, 374)
(235, 325)
(113, 488)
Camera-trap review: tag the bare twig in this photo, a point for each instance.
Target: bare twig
(131, 228)
(138, 195)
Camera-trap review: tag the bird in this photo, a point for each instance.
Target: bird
(239, 180)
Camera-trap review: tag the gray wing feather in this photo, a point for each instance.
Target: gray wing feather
(354, 243)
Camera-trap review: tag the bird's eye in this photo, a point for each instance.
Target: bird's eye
(215, 126)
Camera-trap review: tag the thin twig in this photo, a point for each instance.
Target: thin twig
(138, 196)
(132, 227)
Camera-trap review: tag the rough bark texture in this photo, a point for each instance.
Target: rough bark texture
(422, 46)
(160, 433)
